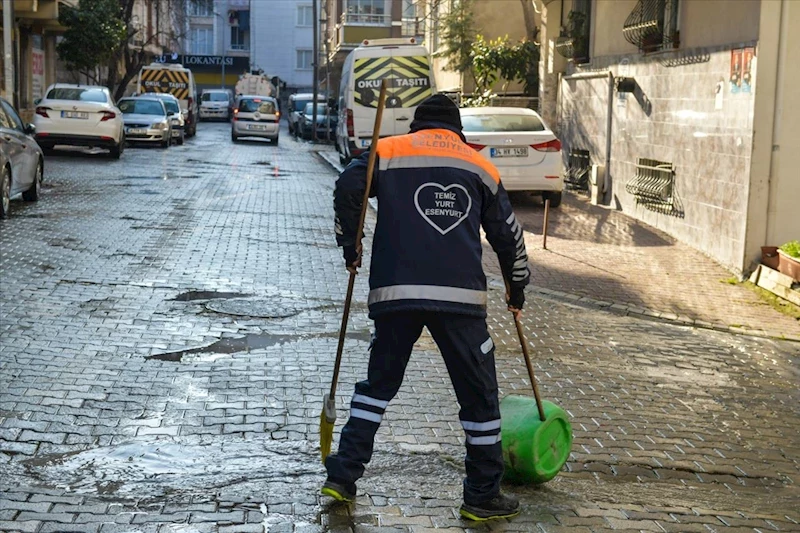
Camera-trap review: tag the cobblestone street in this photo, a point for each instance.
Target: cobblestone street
(168, 330)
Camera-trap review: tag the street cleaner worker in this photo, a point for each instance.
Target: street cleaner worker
(434, 194)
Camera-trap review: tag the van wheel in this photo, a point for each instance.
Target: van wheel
(554, 197)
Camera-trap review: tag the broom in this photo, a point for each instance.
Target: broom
(327, 417)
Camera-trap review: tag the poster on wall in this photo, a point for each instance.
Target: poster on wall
(37, 67)
(747, 69)
(736, 70)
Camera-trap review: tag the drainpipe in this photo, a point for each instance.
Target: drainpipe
(8, 28)
(609, 114)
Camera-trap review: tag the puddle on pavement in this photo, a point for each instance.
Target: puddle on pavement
(248, 343)
(145, 469)
(191, 296)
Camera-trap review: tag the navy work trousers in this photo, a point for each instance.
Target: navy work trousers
(468, 353)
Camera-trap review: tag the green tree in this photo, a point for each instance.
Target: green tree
(499, 59)
(458, 36)
(94, 33)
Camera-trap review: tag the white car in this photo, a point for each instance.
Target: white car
(525, 151)
(79, 115)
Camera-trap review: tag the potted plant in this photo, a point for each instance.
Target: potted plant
(769, 256)
(789, 259)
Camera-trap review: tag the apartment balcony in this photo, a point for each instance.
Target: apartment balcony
(353, 28)
(238, 50)
(43, 13)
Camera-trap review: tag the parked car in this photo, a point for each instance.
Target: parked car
(256, 116)
(297, 103)
(146, 120)
(79, 115)
(524, 150)
(21, 159)
(173, 106)
(326, 122)
(216, 104)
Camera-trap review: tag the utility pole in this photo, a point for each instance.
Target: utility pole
(315, 64)
(8, 54)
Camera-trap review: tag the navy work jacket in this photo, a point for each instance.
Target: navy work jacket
(434, 194)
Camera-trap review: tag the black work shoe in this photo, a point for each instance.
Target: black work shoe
(338, 491)
(501, 506)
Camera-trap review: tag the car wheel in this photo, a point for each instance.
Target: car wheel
(5, 192)
(275, 140)
(234, 137)
(554, 197)
(32, 194)
(166, 143)
(116, 151)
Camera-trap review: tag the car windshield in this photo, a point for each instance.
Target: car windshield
(171, 105)
(321, 108)
(214, 97)
(299, 105)
(504, 123)
(253, 105)
(80, 94)
(141, 107)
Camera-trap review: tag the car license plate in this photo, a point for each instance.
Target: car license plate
(256, 127)
(75, 114)
(136, 131)
(509, 152)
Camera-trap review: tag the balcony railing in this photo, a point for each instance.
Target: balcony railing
(366, 19)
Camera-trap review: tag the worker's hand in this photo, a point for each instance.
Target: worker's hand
(352, 258)
(515, 300)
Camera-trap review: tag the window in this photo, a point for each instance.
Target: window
(304, 60)
(305, 16)
(201, 8)
(501, 123)
(12, 120)
(653, 25)
(240, 39)
(141, 107)
(573, 43)
(413, 25)
(202, 41)
(367, 11)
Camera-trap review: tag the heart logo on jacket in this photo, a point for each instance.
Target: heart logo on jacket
(442, 207)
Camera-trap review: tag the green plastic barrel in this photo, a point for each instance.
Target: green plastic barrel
(533, 451)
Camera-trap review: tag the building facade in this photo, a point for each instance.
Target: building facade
(688, 121)
(33, 58)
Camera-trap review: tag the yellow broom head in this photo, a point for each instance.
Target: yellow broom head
(327, 418)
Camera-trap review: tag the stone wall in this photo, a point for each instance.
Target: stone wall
(684, 111)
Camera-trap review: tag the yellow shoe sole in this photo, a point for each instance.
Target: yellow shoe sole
(470, 516)
(327, 491)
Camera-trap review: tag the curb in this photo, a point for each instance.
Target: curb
(617, 307)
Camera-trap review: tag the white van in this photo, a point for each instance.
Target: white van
(176, 80)
(407, 66)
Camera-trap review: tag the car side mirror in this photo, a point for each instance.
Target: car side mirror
(30, 129)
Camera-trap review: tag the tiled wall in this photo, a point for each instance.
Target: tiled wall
(707, 137)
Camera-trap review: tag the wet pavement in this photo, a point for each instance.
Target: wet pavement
(168, 331)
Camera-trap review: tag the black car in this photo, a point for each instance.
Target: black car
(326, 122)
(21, 159)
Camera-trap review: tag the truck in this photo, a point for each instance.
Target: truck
(257, 85)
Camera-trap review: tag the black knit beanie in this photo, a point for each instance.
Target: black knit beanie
(439, 108)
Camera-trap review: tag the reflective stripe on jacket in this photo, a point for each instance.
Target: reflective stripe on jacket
(434, 194)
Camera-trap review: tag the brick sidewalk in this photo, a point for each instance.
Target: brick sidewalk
(610, 259)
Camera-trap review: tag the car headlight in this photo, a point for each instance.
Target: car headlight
(160, 126)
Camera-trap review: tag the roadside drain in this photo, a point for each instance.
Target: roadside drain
(191, 296)
(226, 346)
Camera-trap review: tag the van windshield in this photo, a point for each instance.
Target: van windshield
(214, 97)
(409, 80)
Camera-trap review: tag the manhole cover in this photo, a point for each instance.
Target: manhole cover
(273, 308)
